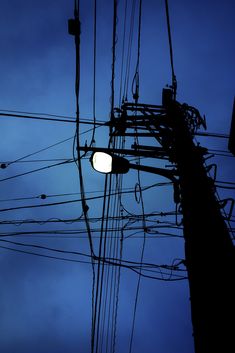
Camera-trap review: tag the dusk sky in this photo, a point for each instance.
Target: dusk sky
(46, 295)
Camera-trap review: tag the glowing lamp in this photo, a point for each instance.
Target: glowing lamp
(108, 163)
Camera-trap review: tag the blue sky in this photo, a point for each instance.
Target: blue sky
(46, 304)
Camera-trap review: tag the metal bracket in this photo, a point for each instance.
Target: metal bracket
(209, 167)
(224, 202)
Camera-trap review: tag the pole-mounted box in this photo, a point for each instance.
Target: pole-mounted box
(167, 97)
(74, 26)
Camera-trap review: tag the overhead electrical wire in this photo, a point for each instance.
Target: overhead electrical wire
(174, 81)
(114, 40)
(119, 246)
(6, 164)
(211, 134)
(221, 153)
(101, 291)
(225, 187)
(14, 115)
(116, 251)
(129, 51)
(103, 278)
(39, 151)
(225, 182)
(149, 229)
(98, 123)
(111, 233)
(141, 200)
(135, 91)
(134, 266)
(48, 117)
(56, 203)
(85, 207)
(111, 261)
(43, 255)
(123, 55)
(77, 133)
(133, 219)
(45, 196)
(38, 170)
(36, 160)
(94, 71)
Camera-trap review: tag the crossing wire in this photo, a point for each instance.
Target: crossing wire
(44, 117)
(144, 224)
(129, 51)
(38, 170)
(77, 140)
(135, 93)
(133, 266)
(100, 288)
(45, 196)
(37, 118)
(94, 71)
(123, 55)
(174, 81)
(117, 254)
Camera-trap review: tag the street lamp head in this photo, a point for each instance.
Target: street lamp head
(108, 163)
(101, 162)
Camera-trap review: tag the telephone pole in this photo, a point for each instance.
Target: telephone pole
(209, 251)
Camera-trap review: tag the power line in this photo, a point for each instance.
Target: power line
(174, 81)
(77, 32)
(42, 255)
(94, 70)
(54, 203)
(8, 162)
(225, 182)
(149, 229)
(39, 151)
(129, 50)
(135, 93)
(44, 196)
(56, 118)
(134, 218)
(141, 259)
(108, 262)
(21, 116)
(38, 170)
(211, 134)
(112, 261)
(123, 52)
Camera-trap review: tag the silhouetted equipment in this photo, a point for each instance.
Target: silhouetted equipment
(231, 142)
(74, 26)
(167, 96)
(209, 251)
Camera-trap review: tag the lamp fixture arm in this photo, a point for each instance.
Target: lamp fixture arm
(169, 174)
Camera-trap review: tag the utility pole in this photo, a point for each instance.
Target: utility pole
(209, 251)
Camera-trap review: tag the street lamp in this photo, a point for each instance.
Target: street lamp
(109, 163)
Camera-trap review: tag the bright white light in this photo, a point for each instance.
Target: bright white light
(102, 162)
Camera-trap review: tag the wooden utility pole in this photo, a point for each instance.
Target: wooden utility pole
(209, 251)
